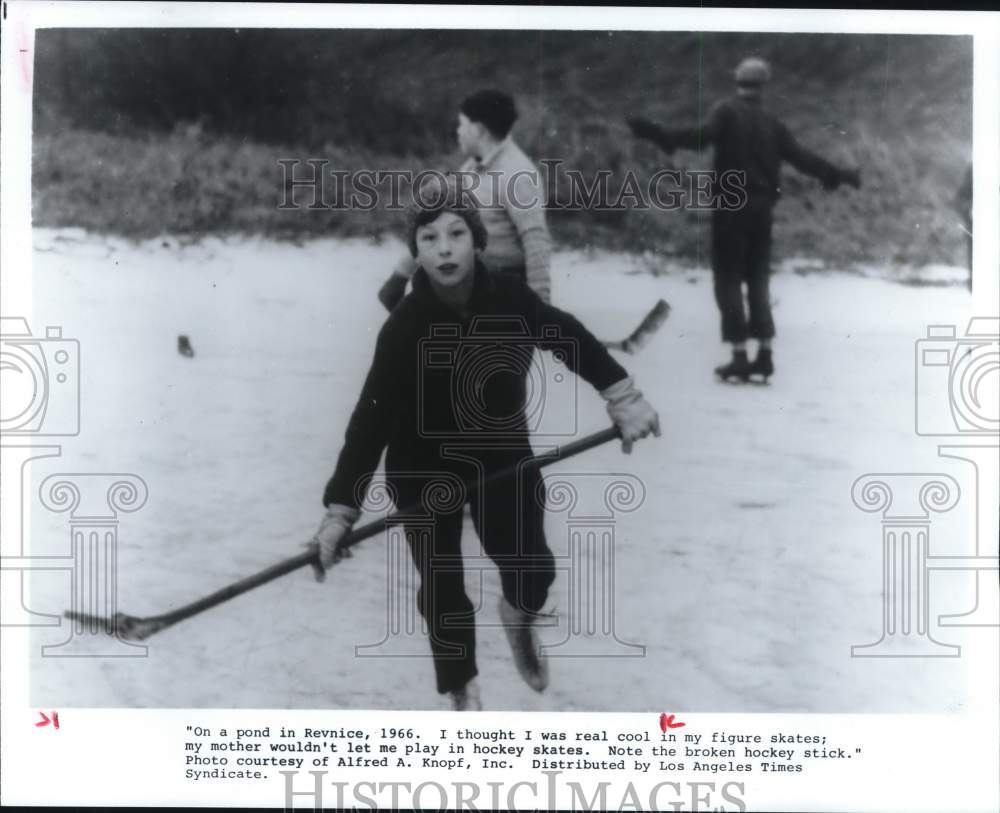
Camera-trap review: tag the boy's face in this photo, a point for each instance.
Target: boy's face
(469, 135)
(445, 250)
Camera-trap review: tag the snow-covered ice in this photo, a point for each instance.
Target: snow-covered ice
(747, 573)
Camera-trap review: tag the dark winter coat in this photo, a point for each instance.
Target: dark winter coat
(440, 376)
(747, 138)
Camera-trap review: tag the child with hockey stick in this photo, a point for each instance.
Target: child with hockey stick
(411, 406)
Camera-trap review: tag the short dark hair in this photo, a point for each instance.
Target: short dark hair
(494, 109)
(434, 199)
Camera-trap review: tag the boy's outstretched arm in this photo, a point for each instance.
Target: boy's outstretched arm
(810, 163)
(366, 437)
(589, 358)
(668, 140)
(368, 429)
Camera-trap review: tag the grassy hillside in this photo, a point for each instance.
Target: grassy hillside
(133, 135)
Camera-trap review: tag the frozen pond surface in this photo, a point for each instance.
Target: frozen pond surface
(747, 573)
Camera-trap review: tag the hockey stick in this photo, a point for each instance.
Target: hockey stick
(647, 327)
(130, 627)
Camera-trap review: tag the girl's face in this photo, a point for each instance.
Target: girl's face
(445, 250)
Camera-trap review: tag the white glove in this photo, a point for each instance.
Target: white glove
(632, 414)
(337, 522)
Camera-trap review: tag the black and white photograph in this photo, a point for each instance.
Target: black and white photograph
(483, 369)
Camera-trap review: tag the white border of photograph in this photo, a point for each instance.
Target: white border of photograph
(118, 756)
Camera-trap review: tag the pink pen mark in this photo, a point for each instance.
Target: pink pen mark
(46, 720)
(24, 54)
(667, 721)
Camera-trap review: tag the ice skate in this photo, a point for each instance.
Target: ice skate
(763, 365)
(738, 368)
(530, 663)
(467, 698)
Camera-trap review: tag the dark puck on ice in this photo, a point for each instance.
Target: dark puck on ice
(184, 346)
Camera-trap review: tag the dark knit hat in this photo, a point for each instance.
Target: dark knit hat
(437, 195)
(494, 109)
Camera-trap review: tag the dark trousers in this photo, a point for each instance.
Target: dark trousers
(509, 519)
(741, 253)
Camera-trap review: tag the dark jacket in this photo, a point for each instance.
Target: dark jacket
(440, 376)
(747, 138)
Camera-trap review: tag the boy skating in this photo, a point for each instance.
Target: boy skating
(747, 139)
(404, 396)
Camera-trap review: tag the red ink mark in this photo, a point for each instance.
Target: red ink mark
(45, 720)
(667, 721)
(24, 43)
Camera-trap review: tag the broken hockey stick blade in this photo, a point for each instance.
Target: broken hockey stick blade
(130, 627)
(652, 322)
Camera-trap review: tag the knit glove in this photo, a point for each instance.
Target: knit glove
(631, 413)
(337, 522)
